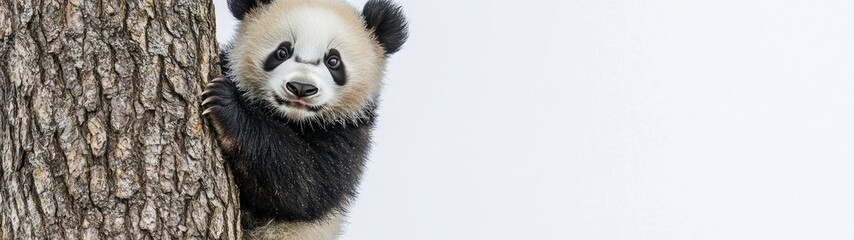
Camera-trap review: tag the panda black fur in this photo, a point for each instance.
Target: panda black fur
(295, 136)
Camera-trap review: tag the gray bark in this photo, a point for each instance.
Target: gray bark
(101, 135)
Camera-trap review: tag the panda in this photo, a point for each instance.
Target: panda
(296, 106)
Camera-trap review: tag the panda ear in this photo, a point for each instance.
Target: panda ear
(239, 8)
(388, 24)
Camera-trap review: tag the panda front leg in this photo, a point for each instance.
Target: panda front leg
(252, 143)
(222, 109)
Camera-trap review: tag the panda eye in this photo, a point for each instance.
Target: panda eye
(333, 62)
(282, 53)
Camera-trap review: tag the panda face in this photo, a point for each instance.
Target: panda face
(298, 83)
(310, 60)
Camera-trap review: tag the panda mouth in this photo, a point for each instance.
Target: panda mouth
(298, 104)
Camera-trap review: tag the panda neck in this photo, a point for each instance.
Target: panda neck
(314, 127)
(319, 126)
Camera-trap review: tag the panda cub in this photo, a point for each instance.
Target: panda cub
(295, 110)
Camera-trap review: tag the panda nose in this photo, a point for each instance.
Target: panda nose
(301, 89)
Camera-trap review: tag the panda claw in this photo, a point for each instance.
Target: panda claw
(209, 100)
(207, 92)
(207, 111)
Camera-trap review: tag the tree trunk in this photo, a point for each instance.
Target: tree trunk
(101, 135)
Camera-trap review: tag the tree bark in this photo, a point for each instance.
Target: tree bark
(101, 135)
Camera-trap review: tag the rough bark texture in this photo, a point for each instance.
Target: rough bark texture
(101, 135)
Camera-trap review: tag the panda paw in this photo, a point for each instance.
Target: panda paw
(218, 93)
(220, 105)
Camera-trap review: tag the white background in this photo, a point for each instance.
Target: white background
(586, 119)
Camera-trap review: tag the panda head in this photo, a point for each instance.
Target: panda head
(314, 59)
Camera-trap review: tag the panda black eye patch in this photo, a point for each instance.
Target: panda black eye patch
(335, 65)
(278, 56)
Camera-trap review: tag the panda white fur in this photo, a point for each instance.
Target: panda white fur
(295, 110)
